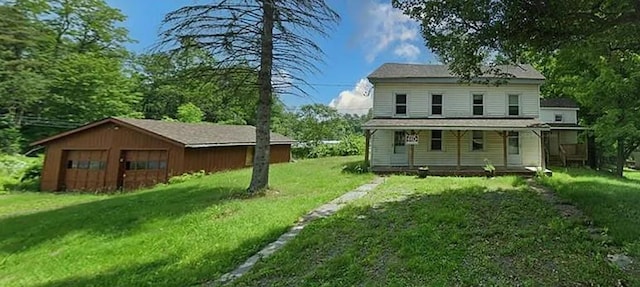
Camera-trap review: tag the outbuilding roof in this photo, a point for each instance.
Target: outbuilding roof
(498, 124)
(421, 71)
(558, 103)
(188, 134)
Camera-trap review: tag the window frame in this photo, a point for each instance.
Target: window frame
(432, 104)
(395, 104)
(403, 141)
(555, 118)
(483, 141)
(519, 113)
(474, 105)
(440, 139)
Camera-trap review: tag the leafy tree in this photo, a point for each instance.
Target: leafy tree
(269, 36)
(190, 113)
(467, 33)
(317, 122)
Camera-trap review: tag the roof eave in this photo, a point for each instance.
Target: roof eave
(441, 80)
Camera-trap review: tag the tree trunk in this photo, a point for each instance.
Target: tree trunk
(260, 175)
(620, 158)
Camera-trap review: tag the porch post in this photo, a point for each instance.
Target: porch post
(504, 147)
(367, 138)
(458, 140)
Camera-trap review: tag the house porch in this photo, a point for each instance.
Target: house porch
(462, 171)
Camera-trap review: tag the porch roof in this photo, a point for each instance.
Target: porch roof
(566, 126)
(493, 124)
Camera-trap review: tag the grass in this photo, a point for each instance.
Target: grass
(172, 235)
(612, 203)
(442, 232)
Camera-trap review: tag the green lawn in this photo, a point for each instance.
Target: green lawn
(612, 203)
(174, 235)
(443, 232)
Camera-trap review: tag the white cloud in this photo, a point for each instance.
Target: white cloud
(381, 26)
(356, 101)
(408, 51)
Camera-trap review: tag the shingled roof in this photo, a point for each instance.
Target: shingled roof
(421, 71)
(188, 134)
(558, 103)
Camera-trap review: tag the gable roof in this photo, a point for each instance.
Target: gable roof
(558, 103)
(421, 71)
(192, 135)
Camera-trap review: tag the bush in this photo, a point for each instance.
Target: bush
(356, 167)
(186, 177)
(349, 145)
(20, 173)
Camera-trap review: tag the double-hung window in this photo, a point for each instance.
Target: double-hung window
(478, 105)
(558, 117)
(436, 104)
(514, 105)
(436, 140)
(401, 104)
(477, 140)
(399, 139)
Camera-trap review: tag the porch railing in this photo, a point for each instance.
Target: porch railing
(573, 152)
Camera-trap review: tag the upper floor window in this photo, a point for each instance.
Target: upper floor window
(478, 106)
(436, 140)
(401, 104)
(558, 117)
(399, 140)
(514, 105)
(477, 141)
(436, 104)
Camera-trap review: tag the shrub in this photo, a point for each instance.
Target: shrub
(349, 145)
(356, 167)
(20, 172)
(186, 177)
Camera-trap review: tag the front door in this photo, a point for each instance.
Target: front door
(399, 153)
(514, 156)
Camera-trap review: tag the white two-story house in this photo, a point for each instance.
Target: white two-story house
(425, 116)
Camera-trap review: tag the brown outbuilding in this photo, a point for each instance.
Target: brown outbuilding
(125, 154)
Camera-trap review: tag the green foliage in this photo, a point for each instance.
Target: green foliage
(186, 177)
(349, 145)
(190, 113)
(355, 167)
(19, 172)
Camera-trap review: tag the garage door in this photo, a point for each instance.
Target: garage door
(85, 170)
(143, 168)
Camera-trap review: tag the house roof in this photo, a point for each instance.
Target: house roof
(193, 135)
(457, 124)
(421, 71)
(558, 103)
(566, 126)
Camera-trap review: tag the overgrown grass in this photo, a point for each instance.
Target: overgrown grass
(442, 232)
(174, 235)
(612, 203)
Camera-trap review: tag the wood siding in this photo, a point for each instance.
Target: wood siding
(456, 99)
(226, 158)
(569, 116)
(382, 150)
(111, 138)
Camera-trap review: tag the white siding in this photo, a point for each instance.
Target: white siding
(569, 116)
(456, 99)
(382, 145)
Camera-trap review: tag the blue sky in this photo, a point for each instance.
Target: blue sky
(370, 33)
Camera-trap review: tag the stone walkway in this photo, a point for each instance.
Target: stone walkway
(320, 212)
